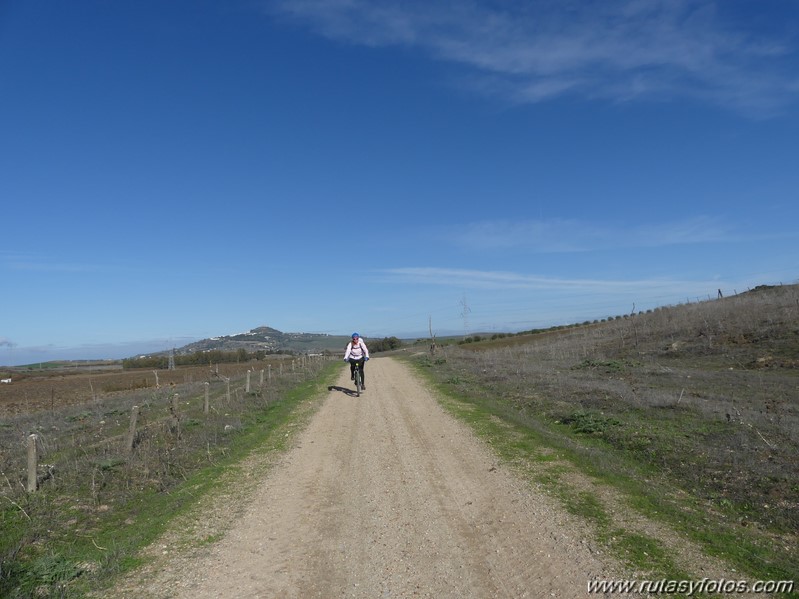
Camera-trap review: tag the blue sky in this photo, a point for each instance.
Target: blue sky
(175, 170)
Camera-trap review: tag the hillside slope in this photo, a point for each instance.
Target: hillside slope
(269, 340)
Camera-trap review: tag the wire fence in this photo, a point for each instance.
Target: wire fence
(110, 447)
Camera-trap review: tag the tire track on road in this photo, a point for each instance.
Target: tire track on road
(387, 496)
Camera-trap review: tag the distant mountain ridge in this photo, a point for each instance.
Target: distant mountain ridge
(267, 339)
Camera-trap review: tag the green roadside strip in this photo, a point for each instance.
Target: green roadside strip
(80, 559)
(522, 449)
(545, 453)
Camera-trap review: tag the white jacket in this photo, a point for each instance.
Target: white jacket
(357, 351)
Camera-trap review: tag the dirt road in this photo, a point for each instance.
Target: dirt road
(387, 496)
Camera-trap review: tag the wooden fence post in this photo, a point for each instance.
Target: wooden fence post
(134, 418)
(227, 381)
(247, 389)
(270, 372)
(175, 413)
(206, 403)
(33, 463)
(262, 377)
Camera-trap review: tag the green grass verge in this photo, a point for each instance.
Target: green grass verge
(545, 452)
(74, 558)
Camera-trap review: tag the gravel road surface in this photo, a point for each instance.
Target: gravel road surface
(385, 495)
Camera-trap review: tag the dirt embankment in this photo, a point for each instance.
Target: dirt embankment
(383, 495)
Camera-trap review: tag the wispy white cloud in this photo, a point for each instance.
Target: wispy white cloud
(35, 263)
(536, 50)
(480, 279)
(560, 235)
(513, 300)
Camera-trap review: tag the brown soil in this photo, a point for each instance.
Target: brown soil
(35, 391)
(383, 495)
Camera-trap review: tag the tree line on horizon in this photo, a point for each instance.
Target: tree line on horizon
(199, 358)
(218, 356)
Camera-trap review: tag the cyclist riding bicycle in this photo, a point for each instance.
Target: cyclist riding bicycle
(357, 354)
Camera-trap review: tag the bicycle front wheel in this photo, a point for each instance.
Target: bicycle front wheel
(358, 381)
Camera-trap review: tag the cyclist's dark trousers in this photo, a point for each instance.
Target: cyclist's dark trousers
(363, 371)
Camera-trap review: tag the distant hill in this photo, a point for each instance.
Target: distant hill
(269, 340)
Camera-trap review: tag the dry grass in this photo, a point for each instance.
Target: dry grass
(34, 390)
(89, 475)
(701, 401)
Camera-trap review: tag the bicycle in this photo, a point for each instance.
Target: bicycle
(358, 374)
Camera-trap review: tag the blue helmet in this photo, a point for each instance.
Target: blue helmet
(354, 335)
